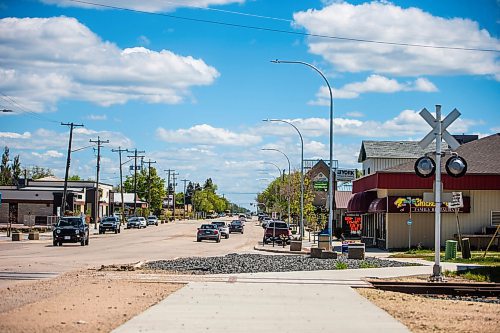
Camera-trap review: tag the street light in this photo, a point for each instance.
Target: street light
(301, 173)
(289, 180)
(331, 188)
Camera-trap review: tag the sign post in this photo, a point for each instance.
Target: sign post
(457, 203)
(437, 134)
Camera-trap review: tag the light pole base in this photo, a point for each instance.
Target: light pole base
(436, 274)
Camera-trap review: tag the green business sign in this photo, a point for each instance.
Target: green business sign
(320, 185)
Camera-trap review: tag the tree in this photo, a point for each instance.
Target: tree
(74, 178)
(5, 169)
(143, 181)
(39, 172)
(16, 170)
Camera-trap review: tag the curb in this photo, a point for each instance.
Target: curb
(257, 248)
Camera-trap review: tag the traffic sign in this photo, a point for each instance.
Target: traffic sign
(457, 200)
(431, 136)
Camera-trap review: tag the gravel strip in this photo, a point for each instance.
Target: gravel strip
(482, 299)
(254, 263)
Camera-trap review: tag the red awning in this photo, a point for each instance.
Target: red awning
(378, 205)
(360, 202)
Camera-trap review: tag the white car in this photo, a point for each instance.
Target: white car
(152, 220)
(136, 222)
(223, 228)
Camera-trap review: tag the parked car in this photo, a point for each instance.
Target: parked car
(152, 220)
(265, 221)
(111, 223)
(236, 226)
(71, 229)
(223, 228)
(208, 231)
(136, 222)
(277, 231)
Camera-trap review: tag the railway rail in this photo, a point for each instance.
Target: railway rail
(439, 288)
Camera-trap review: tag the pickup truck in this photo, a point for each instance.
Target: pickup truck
(277, 231)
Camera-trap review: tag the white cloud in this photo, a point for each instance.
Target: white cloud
(45, 60)
(48, 154)
(373, 84)
(206, 134)
(407, 25)
(97, 117)
(150, 6)
(143, 40)
(355, 114)
(12, 135)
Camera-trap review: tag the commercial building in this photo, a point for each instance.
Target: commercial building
(390, 194)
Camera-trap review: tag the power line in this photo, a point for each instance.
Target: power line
(290, 32)
(26, 110)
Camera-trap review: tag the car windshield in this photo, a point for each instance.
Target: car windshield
(219, 224)
(236, 222)
(152, 218)
(109, 219)
(133, 219)
(208, 226)
(69, 222)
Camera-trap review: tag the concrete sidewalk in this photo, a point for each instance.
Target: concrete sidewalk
(309, 301)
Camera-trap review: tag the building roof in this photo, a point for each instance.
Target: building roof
(392, 149)
(482, 157)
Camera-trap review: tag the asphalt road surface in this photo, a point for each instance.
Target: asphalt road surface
(31, 260)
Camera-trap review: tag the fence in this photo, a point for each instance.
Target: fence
(32, 220)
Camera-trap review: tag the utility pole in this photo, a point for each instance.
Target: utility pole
(184, 181)
(68, 162)
(173, 185)
(168, 187)
(135, 156)
(99, 145)
(119, 151)
(149, 183)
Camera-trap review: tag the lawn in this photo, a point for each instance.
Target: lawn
(492, 258)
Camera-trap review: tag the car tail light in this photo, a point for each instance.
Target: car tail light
(199, 231)
(216, 232)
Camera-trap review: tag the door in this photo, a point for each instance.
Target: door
(13, 209)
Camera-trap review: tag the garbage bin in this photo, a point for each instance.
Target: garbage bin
(323, 242)
(466, 248)
(450, 250)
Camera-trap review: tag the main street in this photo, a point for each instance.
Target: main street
(28, 259)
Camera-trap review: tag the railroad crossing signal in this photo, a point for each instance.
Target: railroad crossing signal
(431, 136)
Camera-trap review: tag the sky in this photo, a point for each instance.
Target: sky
(190, 82)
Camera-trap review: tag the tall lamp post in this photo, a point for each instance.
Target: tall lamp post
(282, 176)
(301, 172)
(289, 179)
(331, 188)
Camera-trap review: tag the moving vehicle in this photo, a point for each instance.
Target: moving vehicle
(71, 229)
(223, 228)
(152, 220)
(208, 231)
(277, 231)
(236, 226)
(111, 223)
(136, 222)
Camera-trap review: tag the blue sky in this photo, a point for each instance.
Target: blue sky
(193, 94)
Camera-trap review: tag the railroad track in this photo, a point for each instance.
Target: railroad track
(440, 288)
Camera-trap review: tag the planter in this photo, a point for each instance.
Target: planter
(34, 235)
(316, 252)
(17, 236)
(295, 246)
(328, 255)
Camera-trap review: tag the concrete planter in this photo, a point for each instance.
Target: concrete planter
(295, 246)
(316, 252)
(328, 255)
(17, 236)
(356, 251)
(34, 235)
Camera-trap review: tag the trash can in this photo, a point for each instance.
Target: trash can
(450, 250)
(323, 242)
(466, 248)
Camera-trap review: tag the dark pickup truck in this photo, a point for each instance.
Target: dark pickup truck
(277, 231)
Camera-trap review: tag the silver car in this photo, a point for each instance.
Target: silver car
(223, 228)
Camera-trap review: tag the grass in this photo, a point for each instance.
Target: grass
(491, 259)
(484, 274)
(341, 265)
(365, 264)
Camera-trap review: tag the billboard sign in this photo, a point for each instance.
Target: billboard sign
(345, 174)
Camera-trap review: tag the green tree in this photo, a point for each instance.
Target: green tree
(74, 178)
(5, 169)
(144, 180)
(39, 172)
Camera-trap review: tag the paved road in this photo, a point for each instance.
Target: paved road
(28, 259)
